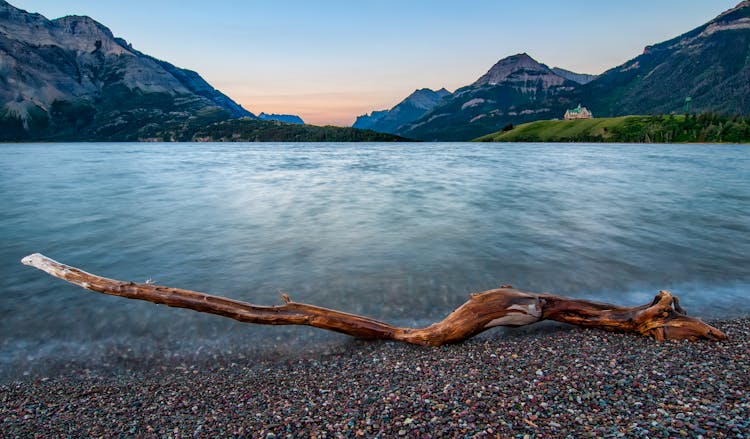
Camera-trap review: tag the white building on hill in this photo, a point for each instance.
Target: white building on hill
(578, 113)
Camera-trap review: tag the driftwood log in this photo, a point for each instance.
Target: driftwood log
(662, 319)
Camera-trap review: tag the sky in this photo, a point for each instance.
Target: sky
(330, 61)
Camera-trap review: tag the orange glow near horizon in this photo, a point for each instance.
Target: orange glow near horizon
(325, 108)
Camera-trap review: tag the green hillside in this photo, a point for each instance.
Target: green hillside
(708, 128)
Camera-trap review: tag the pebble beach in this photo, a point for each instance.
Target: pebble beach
(553, 381)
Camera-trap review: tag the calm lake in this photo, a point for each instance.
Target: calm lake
(401, 232)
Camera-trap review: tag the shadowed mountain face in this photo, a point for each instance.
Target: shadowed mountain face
(406, 111)
(71, 78)
(710, 65)
(580, 78)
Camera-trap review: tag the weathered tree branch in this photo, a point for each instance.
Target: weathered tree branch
(662, 319)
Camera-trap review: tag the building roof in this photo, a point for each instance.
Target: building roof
(578, 109)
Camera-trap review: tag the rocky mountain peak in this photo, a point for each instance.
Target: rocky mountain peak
(75, 63)
(83, 34)
(506, 67)
(443, 92)
(10, 13)
(410, 109)
(425, 98)
(83, 25)
(6, 7)
(88, 35)
(740, 6)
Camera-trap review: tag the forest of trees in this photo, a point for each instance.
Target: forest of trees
(707, 127)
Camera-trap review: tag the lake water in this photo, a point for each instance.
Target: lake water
(401, 232)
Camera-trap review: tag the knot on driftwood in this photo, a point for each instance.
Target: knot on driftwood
(665, 319)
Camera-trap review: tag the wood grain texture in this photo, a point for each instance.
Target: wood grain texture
(662, 319)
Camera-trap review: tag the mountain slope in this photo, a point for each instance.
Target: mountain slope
(580, 78)
(406, 111)
(516, 88)
(70, 78)
(710, 64)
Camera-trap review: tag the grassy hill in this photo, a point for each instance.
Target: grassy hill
(708, 128)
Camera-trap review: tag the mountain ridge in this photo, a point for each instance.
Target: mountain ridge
(408, 110)
(71, 79)
(513, 87)
(75, 33)
(518, 68)
(709, 64)
(580, 78)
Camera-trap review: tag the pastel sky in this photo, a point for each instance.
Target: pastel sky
(329, 61)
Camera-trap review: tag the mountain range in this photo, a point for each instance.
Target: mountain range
(410, 109)
(71, 79)
(710, 65)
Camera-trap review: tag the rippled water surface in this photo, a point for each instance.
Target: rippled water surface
(402, 232)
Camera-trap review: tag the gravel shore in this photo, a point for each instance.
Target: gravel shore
(549, 382)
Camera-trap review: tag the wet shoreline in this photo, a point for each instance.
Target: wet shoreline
(547, 381)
